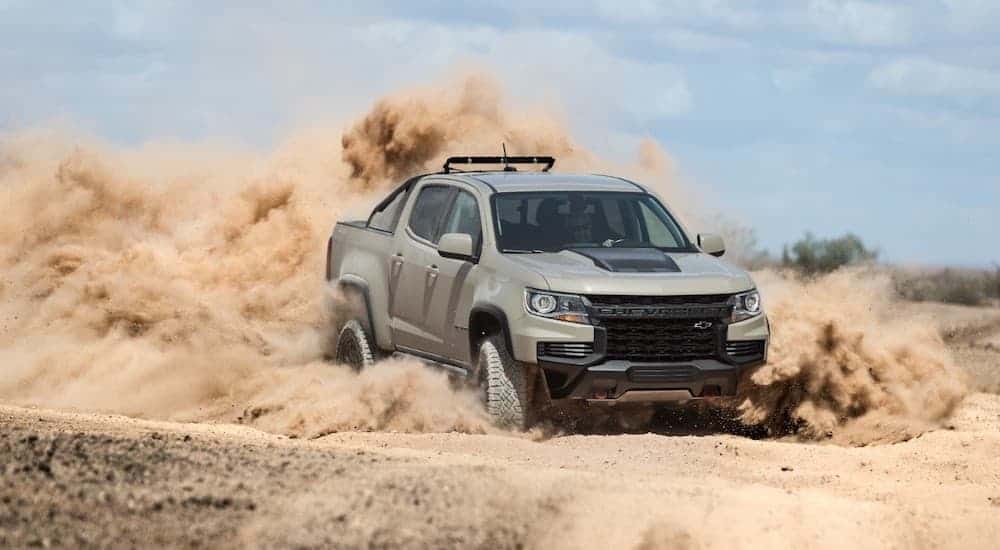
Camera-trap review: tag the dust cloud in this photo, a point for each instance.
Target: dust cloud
(415, 131)
(844, 365)
(164, 283)
(184, 281)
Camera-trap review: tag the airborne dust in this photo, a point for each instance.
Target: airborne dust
(184, 282)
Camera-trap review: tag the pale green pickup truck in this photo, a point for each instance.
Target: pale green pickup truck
(544, 288)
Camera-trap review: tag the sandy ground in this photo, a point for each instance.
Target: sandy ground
(73, 479)
(973, 335)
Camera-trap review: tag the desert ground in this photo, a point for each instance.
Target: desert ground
(74, 479)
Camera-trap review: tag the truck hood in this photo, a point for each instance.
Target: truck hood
(637, 271)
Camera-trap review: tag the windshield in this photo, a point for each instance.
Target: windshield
(554, 220)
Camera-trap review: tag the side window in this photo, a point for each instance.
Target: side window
(431, 206)
(385, 217)
(464, 218)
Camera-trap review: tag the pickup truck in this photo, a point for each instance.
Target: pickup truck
(542, 289)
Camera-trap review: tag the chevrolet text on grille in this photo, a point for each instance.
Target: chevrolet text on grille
(663, 312)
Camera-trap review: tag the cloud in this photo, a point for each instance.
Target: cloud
(697, 41)
(973, 15)
(857, 22)
(790, 79)
(962, 130)
(574, 68)
(243, 72)
(922, 76)
(729, 14)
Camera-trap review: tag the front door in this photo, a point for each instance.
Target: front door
(413, 254)
(447, 282)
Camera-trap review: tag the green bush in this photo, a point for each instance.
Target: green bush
(810, 255)
(993, 283)
(971, 287)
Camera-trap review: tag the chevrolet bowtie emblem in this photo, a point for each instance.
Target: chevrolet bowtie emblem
(703, 325)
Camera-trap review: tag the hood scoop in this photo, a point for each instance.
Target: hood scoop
(630, 260)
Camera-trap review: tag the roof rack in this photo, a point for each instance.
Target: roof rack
(504, 160)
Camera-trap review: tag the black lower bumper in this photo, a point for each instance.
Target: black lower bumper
(613, 381)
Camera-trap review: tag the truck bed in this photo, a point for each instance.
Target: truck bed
(358, 257)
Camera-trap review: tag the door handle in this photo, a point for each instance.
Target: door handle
(432, 271)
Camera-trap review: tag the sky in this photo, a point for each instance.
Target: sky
(878, 118)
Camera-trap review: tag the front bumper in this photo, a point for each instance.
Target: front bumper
(596, 379)
(623, 381)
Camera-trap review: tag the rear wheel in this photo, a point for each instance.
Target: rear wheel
(354, 347)
(506, 385)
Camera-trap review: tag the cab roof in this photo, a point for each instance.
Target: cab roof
(513, 182)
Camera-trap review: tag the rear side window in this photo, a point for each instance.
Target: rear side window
(386, 216)
(429, 210)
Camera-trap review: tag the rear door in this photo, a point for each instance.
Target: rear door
(414, 253)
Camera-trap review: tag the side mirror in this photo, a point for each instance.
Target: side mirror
(710, 243)
(457, 246)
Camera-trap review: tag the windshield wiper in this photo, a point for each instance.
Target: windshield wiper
(519, 251)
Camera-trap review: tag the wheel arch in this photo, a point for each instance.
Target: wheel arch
(356, 303)
(486, 320)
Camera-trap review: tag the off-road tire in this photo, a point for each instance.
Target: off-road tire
(506, 385)
(353, 346)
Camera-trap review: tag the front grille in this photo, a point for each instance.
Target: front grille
(646, 329)
(645, 340)
(745, 351)
(570, 350)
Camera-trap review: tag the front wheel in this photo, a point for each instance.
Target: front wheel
(506, 385)
(353, 346)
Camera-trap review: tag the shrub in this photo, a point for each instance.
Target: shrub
(993, 283)
(810, 255)
(971, 287)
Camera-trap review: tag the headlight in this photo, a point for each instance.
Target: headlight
(543, 304)
(745, 305)
(564, 307)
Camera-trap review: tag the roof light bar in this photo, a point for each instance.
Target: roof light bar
(505, 161)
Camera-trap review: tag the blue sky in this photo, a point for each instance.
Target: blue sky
(881, 118)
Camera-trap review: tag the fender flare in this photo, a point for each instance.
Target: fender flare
(361, 286)
(493, 311)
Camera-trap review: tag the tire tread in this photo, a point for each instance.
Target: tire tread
(354, 331)
(508, 388)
